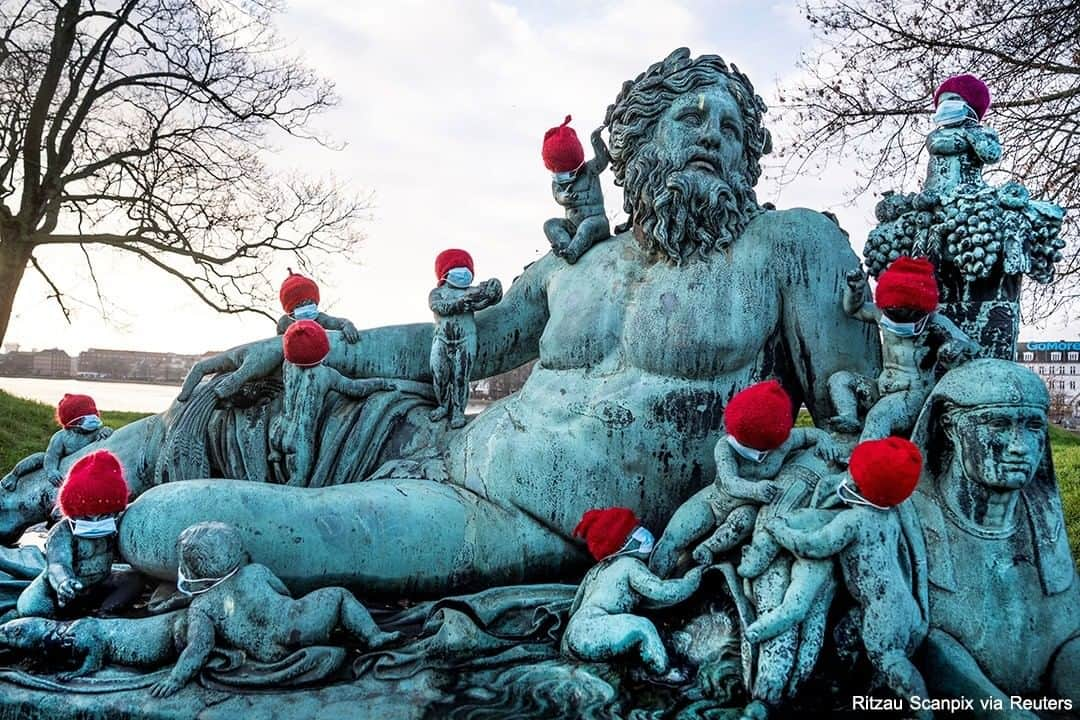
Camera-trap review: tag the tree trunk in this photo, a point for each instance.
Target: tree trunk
(13, 258)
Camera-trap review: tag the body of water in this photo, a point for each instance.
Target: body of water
(131, 397)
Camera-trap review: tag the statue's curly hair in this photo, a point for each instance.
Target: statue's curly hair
(631, 118)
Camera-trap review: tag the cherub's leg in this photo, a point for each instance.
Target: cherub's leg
(320, 612)
(692, 520)
(807, 579)
(846, 404)
(1065, 672)
(892, 413)
(730, 533)
(463, 361)
(29, 464)
(758, 554)
(37, 600)
(120, 590)
(598, 637)
(775, 657)
(559, 232)
(441, 378)
(592, 230)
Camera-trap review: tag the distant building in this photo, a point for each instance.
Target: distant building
(1058, 364)
(51, 363)
(135, 365)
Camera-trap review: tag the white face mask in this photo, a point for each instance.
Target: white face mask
(564, 178)
(851, 496)
(306, 312)
(953, 112)
(184, 583)
(748, 453)
(904, 329)
(640, 542)
(459, 277)
(93, 528)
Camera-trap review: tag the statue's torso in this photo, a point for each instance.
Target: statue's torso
(636, 363)
(999, 611)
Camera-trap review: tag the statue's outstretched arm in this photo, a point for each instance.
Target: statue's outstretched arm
(812, 257)
(508, 333)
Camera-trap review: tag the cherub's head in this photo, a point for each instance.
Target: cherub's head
(209, 552)
(78, 413)
(94, 494)
(305, 344)
(758, 419)
(562, 152)
(885, 473)
(960, 98)
(455, 268)
(906, 294)
(614, 531)
(299, 296)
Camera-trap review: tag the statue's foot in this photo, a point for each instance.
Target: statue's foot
(438, 414)
(458, 421)
(845, 424)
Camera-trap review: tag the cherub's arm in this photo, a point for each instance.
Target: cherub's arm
(855, 303)
(731, 483)
(59, 557)
(54, 454)
(805, 438)
(283, 324)
(956, 347)
(200, 641)
(354, 388)
(601, 157)
(348, 330)
(663, 593)
(222, 362)
(984, 141)
(816, 544)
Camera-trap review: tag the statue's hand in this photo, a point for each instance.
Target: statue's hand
(55, 477)
(829, 451)
(166, 687)
(856, 280)
(104, 433)
(349, 331)
(68, 591)
(384, 639)
(948, 142)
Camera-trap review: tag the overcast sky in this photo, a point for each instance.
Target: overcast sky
(443, 106)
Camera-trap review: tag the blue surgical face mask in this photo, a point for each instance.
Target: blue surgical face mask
(459, 277)
(953, 112)
(564, 177)
(306, 312)
(905, 330)
(86, 528)
(89, 423)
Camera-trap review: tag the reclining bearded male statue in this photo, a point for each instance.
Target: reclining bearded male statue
(640, 345)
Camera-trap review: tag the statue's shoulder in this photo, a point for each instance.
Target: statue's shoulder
(799, 233)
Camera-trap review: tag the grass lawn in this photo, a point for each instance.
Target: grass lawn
(26, 426)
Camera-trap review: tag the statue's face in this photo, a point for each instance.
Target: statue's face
(1000, 447)
(703, 130)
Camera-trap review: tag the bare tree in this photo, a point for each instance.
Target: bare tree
(141, 125)
(865, 92)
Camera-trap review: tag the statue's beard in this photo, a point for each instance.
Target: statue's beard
(686, 211)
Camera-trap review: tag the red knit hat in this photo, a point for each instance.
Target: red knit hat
(760, 417)
(562, 150)
(447, 260)
(969, 87)
(886, 471)
(908, 283)
(606, 531)
(305, 343)
(94, 486)
(73, 407)
(296, 289)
